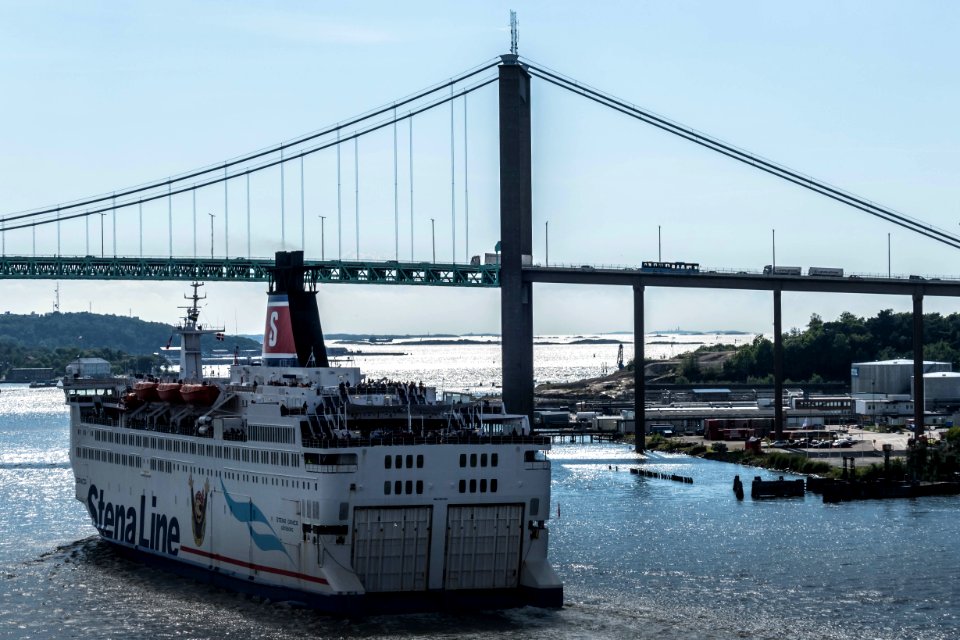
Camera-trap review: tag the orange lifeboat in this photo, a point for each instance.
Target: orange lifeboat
(199, 394)
(169, 392)
(146, 391)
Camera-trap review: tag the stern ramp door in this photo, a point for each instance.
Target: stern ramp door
(391, 546)
(483, 546)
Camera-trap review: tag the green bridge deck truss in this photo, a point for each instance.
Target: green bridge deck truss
(246, 270)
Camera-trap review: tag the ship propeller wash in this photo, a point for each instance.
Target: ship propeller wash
(308, 483)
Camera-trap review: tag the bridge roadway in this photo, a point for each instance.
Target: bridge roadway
(915, 287)
(753, 281)
(245, 270)
(445, 274)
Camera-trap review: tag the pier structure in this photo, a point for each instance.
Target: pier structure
(775, 283)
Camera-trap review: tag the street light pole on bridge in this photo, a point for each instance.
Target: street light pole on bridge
(433, 239)
(212, 216)
(323, 241)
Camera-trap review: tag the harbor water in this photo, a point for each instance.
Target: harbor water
(639, 557)
(475, 365)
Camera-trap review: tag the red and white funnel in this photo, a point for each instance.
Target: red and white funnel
(279, 347)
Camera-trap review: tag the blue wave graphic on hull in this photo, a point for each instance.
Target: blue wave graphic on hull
(249, 513)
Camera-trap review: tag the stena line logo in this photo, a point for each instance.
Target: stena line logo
(277, 332)
(272, 339)
(125, 523)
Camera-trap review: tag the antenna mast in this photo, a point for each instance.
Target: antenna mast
(514, 32)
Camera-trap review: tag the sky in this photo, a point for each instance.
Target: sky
(98, 96)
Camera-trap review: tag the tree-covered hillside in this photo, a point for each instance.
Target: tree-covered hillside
(824, 350)
(54, 339)
(83, 331)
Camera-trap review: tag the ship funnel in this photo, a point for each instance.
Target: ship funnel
(292, 336)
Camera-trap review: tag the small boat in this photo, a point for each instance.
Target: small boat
(199, 394)
(146, 391)
(36, 384)
(170, 392)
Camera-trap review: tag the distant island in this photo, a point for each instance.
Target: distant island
(423, 341)
(709, 332)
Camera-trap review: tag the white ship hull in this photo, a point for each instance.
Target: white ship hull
(339, 528)
(305, 482)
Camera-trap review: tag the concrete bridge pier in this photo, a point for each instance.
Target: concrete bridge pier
(777, 366)
(516, 238)
(639, 383)
(918, 401)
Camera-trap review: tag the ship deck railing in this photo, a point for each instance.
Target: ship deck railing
(101, 420)
(331, 468)
(409, 440)
(181, 429)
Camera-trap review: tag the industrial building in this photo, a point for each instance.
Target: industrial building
(29, 374)
(88, 368)
(941, 390)
(888, 377)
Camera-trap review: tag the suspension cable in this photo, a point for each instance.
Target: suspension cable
(889, 215)
(266, 151)
(437, 102)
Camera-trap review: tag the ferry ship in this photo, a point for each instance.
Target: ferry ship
(305, 482)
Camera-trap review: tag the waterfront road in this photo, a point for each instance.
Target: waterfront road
(867, 445)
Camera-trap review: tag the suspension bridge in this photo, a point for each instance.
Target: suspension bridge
(172, 219)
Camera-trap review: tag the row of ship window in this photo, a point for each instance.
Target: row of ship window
(110, 457)
(478, 486)
(494, 459)
(397, 462)
(169, 466)
(239, 454)
(400, 487)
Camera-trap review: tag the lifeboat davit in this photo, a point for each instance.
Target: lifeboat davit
(131, 401)
(170, 392)
(199, 394)
(146, 391)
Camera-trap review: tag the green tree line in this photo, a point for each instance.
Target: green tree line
(14, 356)
(824, 351)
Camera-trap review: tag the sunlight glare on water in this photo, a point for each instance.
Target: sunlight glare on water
(640, 558)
